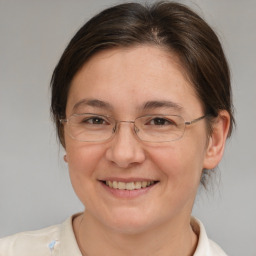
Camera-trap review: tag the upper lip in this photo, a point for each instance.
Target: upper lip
(126, 180)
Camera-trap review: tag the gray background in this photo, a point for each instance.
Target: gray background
(34, 186)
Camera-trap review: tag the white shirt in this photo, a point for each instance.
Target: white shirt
(60, 240)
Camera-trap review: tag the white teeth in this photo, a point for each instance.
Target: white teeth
(121, 185)
(138, 185)
(129, 185)
(144, 184)
(114, 184)
(110, 183)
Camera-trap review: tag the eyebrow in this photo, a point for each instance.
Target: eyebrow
(92, 103)
(161, 104)
(149, 105)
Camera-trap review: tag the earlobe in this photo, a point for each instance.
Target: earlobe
(65, 158)
(217, 140)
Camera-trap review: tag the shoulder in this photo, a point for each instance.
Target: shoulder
(215, 249)
(51, 241)
(30, 243)
(205, 246)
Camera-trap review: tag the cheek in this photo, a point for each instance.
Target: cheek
(180, 164)
(82, 160)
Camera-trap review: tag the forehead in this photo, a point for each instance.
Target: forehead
(132, 77)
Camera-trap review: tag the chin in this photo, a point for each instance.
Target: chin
(130, 222)
(130, 228)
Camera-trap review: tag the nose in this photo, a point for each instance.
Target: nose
(125, 149)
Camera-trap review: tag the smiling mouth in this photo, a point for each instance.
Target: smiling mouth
(129, 185)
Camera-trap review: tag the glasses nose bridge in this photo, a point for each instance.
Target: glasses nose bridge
(125, 121)
(118, 122)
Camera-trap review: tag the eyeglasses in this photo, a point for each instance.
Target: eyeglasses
(90, 127)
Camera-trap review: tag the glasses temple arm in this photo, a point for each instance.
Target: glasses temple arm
(195, 120)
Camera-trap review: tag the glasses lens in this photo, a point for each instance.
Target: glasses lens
(160, 128)
(90, 127)
(151, 128)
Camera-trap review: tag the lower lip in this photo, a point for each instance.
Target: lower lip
(127, 194)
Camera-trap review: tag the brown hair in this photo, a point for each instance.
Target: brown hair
(170, 25)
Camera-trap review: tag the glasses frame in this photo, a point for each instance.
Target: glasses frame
(135, 129)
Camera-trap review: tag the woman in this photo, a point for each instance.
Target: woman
(141, 99)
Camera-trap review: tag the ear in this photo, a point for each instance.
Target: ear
(65, 158)
(217, 140)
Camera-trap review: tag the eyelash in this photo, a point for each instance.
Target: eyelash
(91, 120)
(166, 121)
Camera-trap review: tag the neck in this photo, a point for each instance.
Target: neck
(170, 239)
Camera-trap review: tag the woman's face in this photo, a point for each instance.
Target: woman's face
(126, 84)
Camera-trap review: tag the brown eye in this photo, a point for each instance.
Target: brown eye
(95, 120)
(161, 121)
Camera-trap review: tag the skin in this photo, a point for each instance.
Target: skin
(157, 222)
